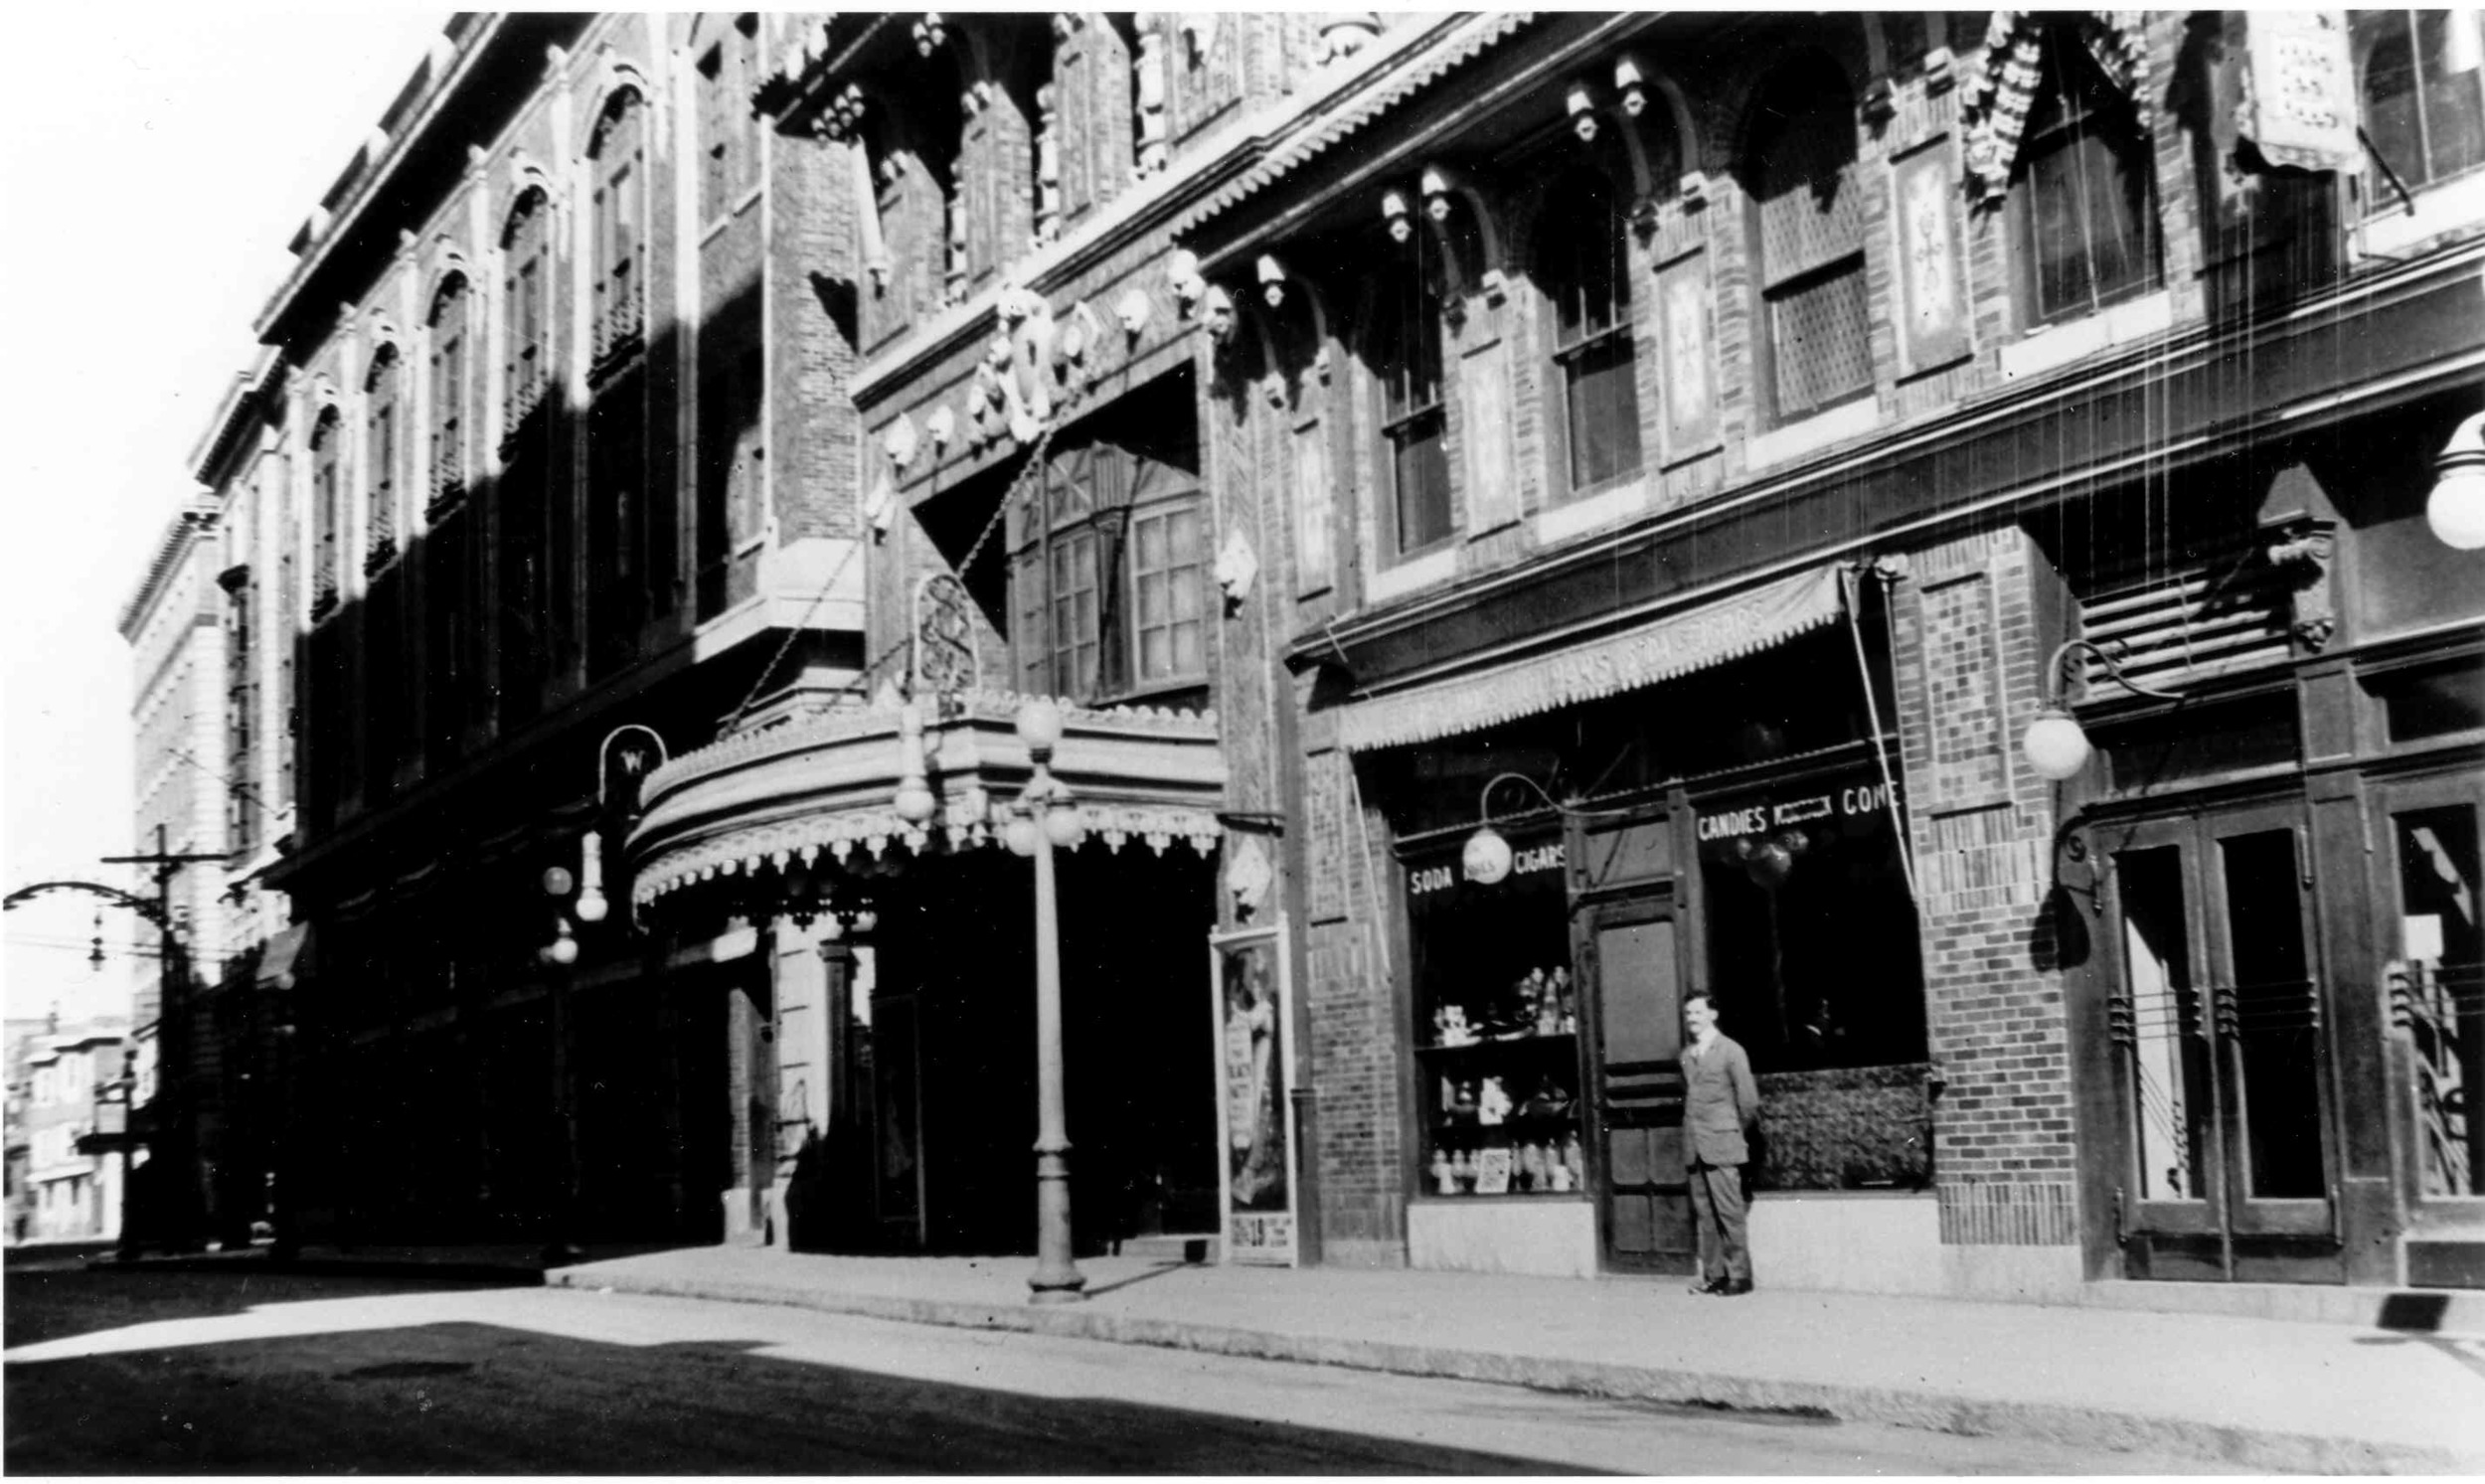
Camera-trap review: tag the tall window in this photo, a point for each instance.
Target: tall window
(1406, 353)
(1810, 211)
(449, 390)
(1584, 262)
(241, 701)
(1109, 562)
(326, 540)
(620, 171)
(2424, 110)
(2083, 191)
(383, 409)
(527, 307)
(729, 161)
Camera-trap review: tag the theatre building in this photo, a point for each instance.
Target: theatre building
(1300, 581)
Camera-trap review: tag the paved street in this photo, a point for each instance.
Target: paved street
(210, 1373)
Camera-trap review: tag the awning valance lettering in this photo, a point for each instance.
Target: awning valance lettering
(1633, 659)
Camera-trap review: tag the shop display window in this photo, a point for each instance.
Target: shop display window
(1496, 1026)
(1814, 966)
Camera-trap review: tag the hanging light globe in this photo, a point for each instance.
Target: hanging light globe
(2055, 747)
(2456, 509)
(1020, 835)
(1486, 859)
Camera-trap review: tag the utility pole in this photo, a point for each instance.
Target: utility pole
(173, 1030)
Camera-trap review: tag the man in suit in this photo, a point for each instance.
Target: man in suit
(1721, 1106)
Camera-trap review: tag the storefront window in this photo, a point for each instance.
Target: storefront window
(1497, 1025)
(1815, 968)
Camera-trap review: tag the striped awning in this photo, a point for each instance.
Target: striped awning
(1656, 650)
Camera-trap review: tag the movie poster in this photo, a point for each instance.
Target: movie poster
(1254, 1080)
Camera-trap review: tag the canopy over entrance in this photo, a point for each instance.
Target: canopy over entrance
(829, 781)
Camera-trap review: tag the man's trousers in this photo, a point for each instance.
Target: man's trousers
(1716, 1209)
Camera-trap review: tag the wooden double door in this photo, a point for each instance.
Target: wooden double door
(2224, 1151)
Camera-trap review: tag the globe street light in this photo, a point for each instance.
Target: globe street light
(1047, 820)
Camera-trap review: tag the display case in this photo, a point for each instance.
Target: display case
(1496, 1035)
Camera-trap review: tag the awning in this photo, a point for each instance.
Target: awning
(287, 957)
(1630, 660)
(827, 783)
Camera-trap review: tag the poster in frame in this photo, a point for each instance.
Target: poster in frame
(1253, 997)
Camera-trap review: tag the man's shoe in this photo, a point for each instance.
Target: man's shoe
(1739, 1285)
(1712, 1287)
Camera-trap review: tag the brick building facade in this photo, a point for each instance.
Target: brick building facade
(1696, 446)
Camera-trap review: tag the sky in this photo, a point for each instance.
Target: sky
(147, 191)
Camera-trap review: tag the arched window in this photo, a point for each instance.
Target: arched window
(450, 391)
(1809, 217)
(326, 511)
(1405, 346)
(2082, 194)
(620, 156)
(2426, 113)
(526, 308)
(384, 422)
(1583, 263)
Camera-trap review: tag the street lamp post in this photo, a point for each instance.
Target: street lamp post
(1045, 817)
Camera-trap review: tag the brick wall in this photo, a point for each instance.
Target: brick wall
(1966, 656)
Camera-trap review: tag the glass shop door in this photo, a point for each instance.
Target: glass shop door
(2216, 1006)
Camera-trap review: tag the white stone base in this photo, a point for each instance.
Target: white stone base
(1552, 1239)
(1892, 1244)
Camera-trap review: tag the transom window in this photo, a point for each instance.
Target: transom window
(2083, 189)
(1583, 263)
(1810, 219)
(2424, 113)
(1108, 570)
(1405, 349)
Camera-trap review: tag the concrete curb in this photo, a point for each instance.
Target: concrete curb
(507, 1275)
(2258, 1449)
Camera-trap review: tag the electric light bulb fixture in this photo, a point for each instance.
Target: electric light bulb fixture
(914, 802)
(592, 903)
(2456, 507)
(1486, 859)
(2055, 744)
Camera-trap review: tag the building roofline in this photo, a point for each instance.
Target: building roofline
(187, 525)
(245, 398)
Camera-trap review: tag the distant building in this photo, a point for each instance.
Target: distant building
(69, 1195)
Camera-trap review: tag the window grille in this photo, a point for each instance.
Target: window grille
(1810, 215)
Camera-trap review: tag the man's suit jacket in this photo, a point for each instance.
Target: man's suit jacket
(1719, 1101)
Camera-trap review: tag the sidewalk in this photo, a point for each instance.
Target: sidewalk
(2267, 1395)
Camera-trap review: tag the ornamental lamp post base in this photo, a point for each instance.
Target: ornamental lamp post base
(1057, 1278)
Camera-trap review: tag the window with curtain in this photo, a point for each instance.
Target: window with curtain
(620, 212)
(2083, 190)
(384, 412)
(449, 391)
(1583, 264)
(1406, 358)
(1809, 211)
(1109, 574)
(2423, 96)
